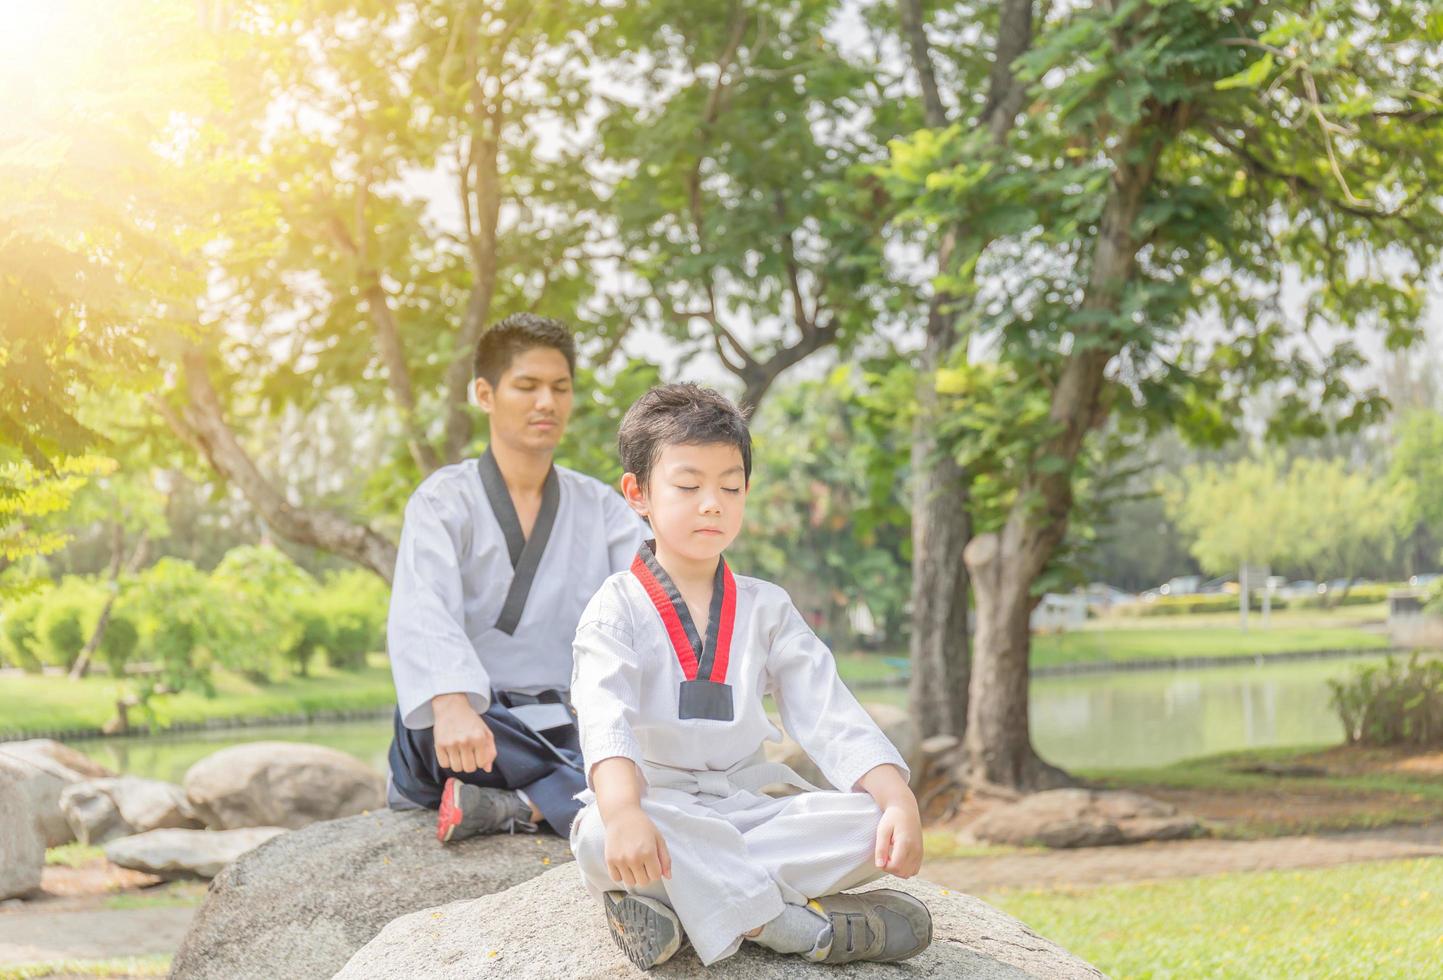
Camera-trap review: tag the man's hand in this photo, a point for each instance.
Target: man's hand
(636, 852)
(464, 743)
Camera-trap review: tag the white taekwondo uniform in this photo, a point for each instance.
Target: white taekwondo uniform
(694, 723)
(478, 607)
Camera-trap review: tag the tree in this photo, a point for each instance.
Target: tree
(1418, 464)
(1174, 161)
(736, 130)
(1345, 519)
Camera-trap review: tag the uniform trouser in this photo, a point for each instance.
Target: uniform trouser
(550, 775)
(737, 861)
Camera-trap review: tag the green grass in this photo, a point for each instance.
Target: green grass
(175, 894)
(1380, 797)
(1382, 919)
(945, 844)
(73, 855)
(1337, 618)
(1093, 645)
(42, 703)
(130, 966)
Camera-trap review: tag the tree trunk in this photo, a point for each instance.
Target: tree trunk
(998, 740)
(205, 427)
(939, 649)
(1005, 564)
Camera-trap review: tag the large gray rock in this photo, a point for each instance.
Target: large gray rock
(187, 853)
(281, 784)
(895, 723)
(549, 927)
(300, 905)
(37, 785)
(100, 810)
(22, 845)
(1082, 818)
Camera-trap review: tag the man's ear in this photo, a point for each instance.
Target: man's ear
(481, 395)
(631, 490)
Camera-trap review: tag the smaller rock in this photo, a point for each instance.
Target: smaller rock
(281, 784)
(58, 753)
(186, 853)
(1081, 818)
(936, 745)
(100, 810)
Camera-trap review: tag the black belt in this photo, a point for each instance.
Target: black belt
(512, 698)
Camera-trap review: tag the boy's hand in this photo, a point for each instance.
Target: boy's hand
(464, 742)
(636, 853)
(899, 840)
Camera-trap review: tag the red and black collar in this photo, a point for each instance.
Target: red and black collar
(708, 662)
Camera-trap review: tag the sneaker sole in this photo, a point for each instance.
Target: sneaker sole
(448, 817)
(648, 936)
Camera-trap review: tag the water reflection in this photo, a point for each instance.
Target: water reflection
(1101, 720)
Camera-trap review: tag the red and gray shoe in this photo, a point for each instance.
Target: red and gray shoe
(468, 810)
(647, 930)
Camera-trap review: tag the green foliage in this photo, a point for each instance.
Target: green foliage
(187, 626)
(353, 606)
(66, 620)
(1418, 465)
(1392, 704)
(265, 589)
(18, 640)
(812, 522)
(119, 642)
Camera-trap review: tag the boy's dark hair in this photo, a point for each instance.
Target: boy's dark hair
(516, 334)
(680, 415)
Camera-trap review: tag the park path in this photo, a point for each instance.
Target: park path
(1086, 867)
(78, 932)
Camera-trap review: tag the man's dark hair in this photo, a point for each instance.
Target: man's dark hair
(680, 415)
(516, 334)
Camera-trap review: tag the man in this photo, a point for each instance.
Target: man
(498, 558)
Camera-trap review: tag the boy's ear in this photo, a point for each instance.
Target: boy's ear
(631, 490)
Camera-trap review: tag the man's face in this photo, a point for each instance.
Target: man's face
(531, 401)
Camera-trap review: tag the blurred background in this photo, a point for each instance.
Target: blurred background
(1093, 350)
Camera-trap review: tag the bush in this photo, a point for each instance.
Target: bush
(18, 643)
(187, 624)
(313, 636)
(1182, 605)
(118, 643)
(1358, 595)
(1392, 704)
(66, 620)
(271, 590)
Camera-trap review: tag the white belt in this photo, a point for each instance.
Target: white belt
(750, 775)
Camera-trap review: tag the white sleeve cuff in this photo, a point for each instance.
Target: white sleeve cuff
(855, 765)
(416, 711)
(608, 745)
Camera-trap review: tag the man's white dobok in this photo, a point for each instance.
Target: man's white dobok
(737, 855)
(454, 575)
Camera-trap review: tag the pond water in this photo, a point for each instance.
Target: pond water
(1148, 718)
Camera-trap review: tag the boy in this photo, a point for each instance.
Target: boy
(672, 659)
(498, 557)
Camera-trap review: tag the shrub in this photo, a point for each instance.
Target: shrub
(66, 620)
(354, 603)
(118, 643)
(1182, 605)
(267, 592)
(18, 643)
(313, 636)
(1392, 704)
(186, 624)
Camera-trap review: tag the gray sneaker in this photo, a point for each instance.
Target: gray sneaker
(881, 926)
(468, 810)
(648, 931)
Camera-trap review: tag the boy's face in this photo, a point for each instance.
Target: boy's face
(531, 401)
(695, 499)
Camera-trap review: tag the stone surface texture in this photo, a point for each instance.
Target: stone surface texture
(300, 905)
(1082, 818)
(101, 810)
(186, 853)
(548, 928)
(281, 784)
(22, 844)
